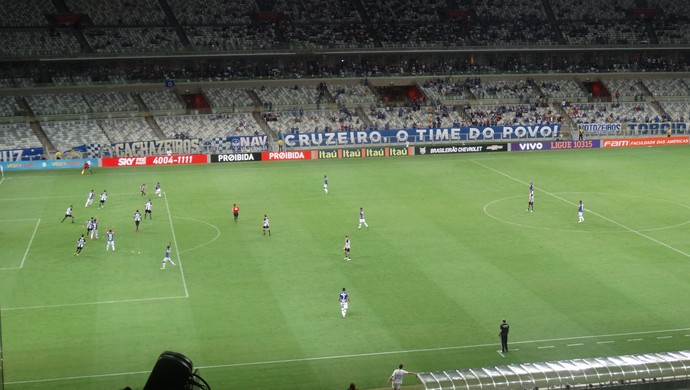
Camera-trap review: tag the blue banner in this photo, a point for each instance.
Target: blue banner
(307, 140)
(660, 128)
(48, 164)
(599, 128)
(21, 154)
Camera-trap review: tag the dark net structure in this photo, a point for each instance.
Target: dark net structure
(667, 370)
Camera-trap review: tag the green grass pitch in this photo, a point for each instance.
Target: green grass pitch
(450, 252)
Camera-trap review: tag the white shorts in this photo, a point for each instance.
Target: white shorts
(343, 305)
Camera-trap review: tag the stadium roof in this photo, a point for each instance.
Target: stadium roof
(565, 373)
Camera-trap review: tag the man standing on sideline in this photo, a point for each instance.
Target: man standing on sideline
(580, 211)
(397, 377)
(147, 209)
(137, 220)
(503, 334)
(167, 258)
(344, 299)
(325, 184)
(235, 212)
(346, 248)
(68, 214)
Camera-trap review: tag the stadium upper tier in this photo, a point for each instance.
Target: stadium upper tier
(46, 28)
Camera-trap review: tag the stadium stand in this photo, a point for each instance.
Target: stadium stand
(67, 134)
(208, 126)
(120, 12)
(363, 40)
(110, 102)
(26, 13)
(127, 129)
(630, 112)
(18, 136)
(161, 100)
(521, 114)
(57, 104)
(9, 106)
(38, 42)
(228, 97)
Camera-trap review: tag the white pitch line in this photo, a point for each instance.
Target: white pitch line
(69, 378)
(90, 303)
(574, 345)
(501, 353)
(546, 347)
(177, 250)
(635, 339)
(350, 356)
(588, 210)
(605, 342)
(26, 253)
(664, 337)
(55, 197)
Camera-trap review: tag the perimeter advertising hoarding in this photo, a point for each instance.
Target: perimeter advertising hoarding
(389, 151)
(453, 149)
(182, 159)
(553, 145)
(235, 157)
(282, 156)
(632, 142)
(48, 164)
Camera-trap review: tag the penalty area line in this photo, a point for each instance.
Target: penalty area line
(177, 250)
(26, 253)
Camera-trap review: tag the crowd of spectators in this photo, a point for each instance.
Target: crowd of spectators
(140, 26)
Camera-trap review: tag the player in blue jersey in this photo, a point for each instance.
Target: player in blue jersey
(80, 245)
(580, 211)
(167, 258)
(344, 299)
(325, 184)
(158, 189)
(531, 186)
(89, 198)
(361, 219)
(111, 240)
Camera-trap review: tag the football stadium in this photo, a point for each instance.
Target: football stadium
(279, 194)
